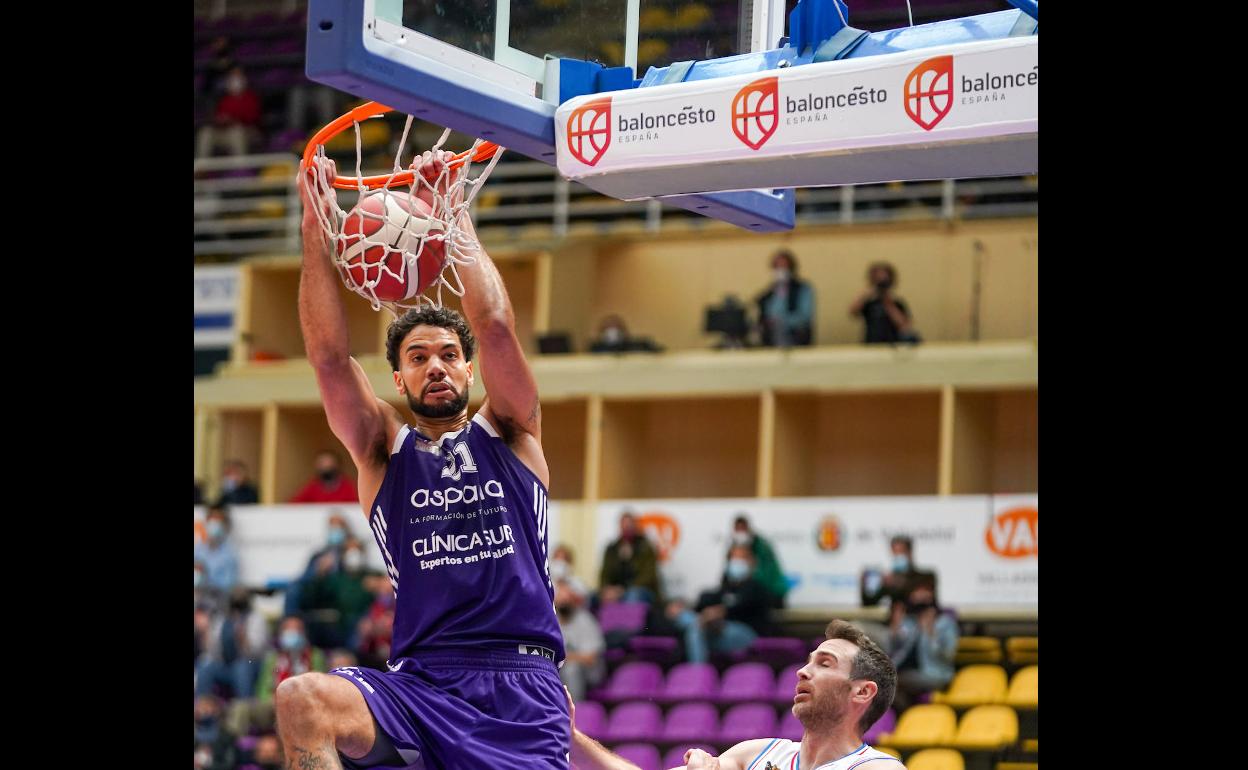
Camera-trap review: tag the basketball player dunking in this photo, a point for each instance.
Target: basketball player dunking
(846, 685)
(458, 508)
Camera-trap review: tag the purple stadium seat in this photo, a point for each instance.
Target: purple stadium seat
(786, 685)
(622, 616)
(884, 724)
(778, 650)
(690, 722)
(746, 721)
(591, 718)
(747, 681)
(658, 649)
(643, 755)
(675, 756)
(790, 728)
(690, 681)
(639, 680)
(635, 721)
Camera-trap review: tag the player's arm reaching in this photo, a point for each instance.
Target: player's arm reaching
(511, 392)
(362, 422)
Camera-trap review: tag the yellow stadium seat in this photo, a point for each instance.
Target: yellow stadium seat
(690, 16)
(1022, 650)
(1024, 688)
(889, 750)
(974, 686)
(936, 759)
(654, 18)
(987, 728)
(927, 724)
(978, 649)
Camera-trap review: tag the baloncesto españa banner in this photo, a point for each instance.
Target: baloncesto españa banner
(967, 91)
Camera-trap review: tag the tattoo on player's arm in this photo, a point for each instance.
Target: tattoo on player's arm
(300, 758)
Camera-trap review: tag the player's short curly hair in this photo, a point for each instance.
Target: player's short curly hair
(871, 663)
(428, 316)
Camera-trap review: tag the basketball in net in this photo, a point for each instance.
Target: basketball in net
(406, 231)
(391, 245)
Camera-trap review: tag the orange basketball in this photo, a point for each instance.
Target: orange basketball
(390, 245)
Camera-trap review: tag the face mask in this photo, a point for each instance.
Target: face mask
(235, 85)
(215, 530)
(738, 569)
(292, 640)
(781, 274)
(328, 476)
(884, 284)
(352, 560)
(558, 570)
(337, 536)
(741, 538)
(229, 485)
(564, 610)
(901, 563)
(612, 335)
(199, 578)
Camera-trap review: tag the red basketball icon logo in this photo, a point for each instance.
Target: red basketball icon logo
(589, 131)
(929, 91)
(756, 112)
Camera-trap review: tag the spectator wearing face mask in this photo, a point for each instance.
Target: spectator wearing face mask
(885, 317)
(923, 643)
(786, 310)
(293, 656)
(766, 565)
(235, 642)
(214, 743)
(328, 558)
(561, 571)
(334, 600)
(731, 617)
(613, 337)
(329, 484)
(901, 578)
(630, 566)
(374, 631)
(235, 121)
(584, 666)
(236, 487)
(217, 557)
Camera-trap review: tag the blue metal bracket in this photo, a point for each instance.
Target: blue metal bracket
(814, 21)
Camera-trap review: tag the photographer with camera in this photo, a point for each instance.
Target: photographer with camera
(922, 643)
(885, 316)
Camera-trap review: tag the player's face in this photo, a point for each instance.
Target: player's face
(823, 686)
(433, 374)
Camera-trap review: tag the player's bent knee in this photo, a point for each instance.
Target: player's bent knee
(302, 697)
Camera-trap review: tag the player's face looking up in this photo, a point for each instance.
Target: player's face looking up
(433, 373)
(823, 687)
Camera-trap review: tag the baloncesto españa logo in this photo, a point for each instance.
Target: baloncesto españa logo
(589, 131)
(756, 112)
(929, 91)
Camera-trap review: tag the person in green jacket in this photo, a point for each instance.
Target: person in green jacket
(767, 566)
(630, 567)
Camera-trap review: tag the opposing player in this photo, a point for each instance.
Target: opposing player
(458, 508)
(845, 686)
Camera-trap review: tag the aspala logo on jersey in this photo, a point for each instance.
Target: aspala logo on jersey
(929, 91)
(444, 498)
(756, 112)
(589, 131)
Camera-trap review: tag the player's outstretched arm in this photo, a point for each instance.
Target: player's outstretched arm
(589, 754)
(512, 404)
(355, 413)
(738, 757)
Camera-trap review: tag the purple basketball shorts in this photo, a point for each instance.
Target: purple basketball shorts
(462, 708)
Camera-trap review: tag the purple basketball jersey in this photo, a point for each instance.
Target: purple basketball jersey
(461, 523)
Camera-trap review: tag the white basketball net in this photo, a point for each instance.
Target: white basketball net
(452, 193)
